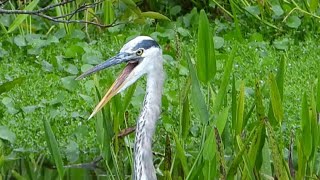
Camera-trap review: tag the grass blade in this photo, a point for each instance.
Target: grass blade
(318, 93)
(53, 147)
(185, 116)
(240, 110)
(247, 165)
(181, 154)
(20, 18)
(108, 13)
(306, 128)
(234, 106)
(206, 61)
(280, 76)
(236, 21)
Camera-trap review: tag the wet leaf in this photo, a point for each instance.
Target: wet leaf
(20, 40)
(72, 69)
(72, 151)
(281, 44)
(69, 83)
(8, 102)
(254, 10)
(78, 34)
(218, 42)
(293, 21)
(29, 109)
(6, 134)
(175, 10)
(278, 11)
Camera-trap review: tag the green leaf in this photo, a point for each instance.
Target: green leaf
(209, 148)
(224, 83)
(302, 161)
(72, 69)
(183, 32)
(20, 18)
(69, 83)
(218, 42)
(8, 102)
(185, 116)
(206, 61)
(29, 109)
(6, 134)
(72, 151)
(234, 106)
(73, 51)
(222, 120)
(293, 21)
(197, 97)
(20, 40)
(255, 148)
(280, 75)
(259, 103)
(132, 6)
(53, 147)
(181, 154)
(247, 165)
(281, 44)
(78, 34)
(240, 110)
(238, 157)
(275, 99)
(314, 126)
(278, 11)
(154, 15)
(306, 127)
(7, 86)
(175, 10)
(266, 165)
(318, 93)
(254, 10)
(128, 96)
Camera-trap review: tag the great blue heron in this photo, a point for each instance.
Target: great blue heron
(143, 55)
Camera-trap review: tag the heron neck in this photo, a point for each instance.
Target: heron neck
(143, 161)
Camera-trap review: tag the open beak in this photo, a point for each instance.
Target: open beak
(120, 82)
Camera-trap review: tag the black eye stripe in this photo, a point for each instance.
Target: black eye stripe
(146, 44)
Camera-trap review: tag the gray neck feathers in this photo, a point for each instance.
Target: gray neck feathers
(146, 124)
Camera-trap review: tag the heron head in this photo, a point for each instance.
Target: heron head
(140, 55)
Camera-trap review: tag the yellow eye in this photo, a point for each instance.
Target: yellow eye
(139, 52)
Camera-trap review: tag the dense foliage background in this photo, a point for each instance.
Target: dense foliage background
(241, 97)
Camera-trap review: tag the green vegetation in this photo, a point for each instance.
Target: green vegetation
(245, 105)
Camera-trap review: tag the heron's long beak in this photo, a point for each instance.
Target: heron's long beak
(120, 82)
